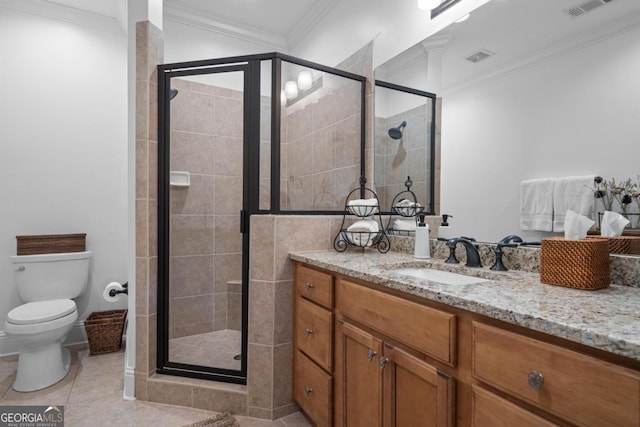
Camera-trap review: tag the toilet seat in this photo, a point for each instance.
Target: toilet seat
(41, 311)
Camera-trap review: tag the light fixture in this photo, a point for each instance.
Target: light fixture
(305, 80)
(462, 19)
(428, 4)
(283, 98)
(290, 89)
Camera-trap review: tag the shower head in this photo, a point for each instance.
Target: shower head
(396, 132)
(172, 93)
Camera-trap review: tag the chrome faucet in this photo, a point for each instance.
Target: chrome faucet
(473, 257)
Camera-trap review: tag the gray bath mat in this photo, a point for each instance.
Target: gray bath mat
(220, 420)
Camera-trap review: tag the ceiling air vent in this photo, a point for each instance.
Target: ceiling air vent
(479, 56)
(585, 7)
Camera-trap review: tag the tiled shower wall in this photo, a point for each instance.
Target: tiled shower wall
(409, 156)
(321, 143)
(206, 246)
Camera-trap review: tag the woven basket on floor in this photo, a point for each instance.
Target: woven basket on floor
(104, 331)
(580, 264)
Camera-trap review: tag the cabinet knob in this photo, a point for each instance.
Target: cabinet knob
(307, 391)
(309, 286)
(370, 354)
(535, 380)
(383, 362)
(308, 332)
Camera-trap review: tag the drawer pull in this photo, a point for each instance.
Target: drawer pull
(535, 380)
(370, 354)
(308, 332)
(307, 391)
(309, 286)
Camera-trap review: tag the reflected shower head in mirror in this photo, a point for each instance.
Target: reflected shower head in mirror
(172, 93)
(396, 132)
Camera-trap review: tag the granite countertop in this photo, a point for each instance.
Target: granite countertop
(606, 319)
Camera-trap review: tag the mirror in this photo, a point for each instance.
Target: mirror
(530, 89)
(404, 164)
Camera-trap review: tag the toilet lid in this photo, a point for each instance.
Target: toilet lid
(41, 311)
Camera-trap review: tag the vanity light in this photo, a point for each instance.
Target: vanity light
(291, 89)
(283, 97)
(428, 4)
(305, 80)
(462, 19)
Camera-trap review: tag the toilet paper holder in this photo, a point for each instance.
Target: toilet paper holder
(125, 290)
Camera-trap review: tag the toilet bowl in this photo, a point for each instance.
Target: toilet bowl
(42, 324)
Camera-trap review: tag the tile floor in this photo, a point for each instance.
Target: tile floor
(215, 349)
(92, 397)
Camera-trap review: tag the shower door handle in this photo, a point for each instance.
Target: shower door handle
(243, 221)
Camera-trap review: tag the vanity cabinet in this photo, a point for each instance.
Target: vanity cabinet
(380, 359)
(313, 344)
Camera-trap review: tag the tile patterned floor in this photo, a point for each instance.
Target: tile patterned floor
(215, 349)
(92, 397)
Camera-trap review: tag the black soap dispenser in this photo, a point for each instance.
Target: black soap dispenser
(445, 231)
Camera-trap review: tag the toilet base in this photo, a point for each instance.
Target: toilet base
(41, 367)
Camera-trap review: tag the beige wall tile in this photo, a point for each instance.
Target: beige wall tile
(228, 195)
(142, 228)
(227, 156)
(153, 170)
(260, 376)
(282, 374)
(191, 275)
(152, 339)
(262, 247)
(234, 311)
(142, 169)
(170, 393)
(153, 228)
(192, 152)
(261, 314)
(227, 267)
(142, 344)
(191, 235)
(141, 386)
(347, 146)
(227, 234)
(220, 400)
(228, 117)
(153, 285)
(192, 312)
(283, 312)
(300, 162)
(220, 311)
(142, 286)
(324, 147)
(183, 117)
(195, 199)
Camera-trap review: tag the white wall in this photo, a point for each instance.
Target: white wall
(576, 114)
(63, 161)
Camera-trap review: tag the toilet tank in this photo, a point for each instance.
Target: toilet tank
(51, 276)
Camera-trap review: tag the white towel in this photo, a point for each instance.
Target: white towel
(572, 193)
(363, 202)
(536, 204)
(404, 225)
(364, 225)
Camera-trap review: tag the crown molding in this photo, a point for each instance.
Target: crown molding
(59, 12)
(308, 22)
(215, 25)
(562, 48)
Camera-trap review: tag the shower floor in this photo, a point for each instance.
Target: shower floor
(216, 349)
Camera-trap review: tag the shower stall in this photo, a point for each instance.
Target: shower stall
(240, 136)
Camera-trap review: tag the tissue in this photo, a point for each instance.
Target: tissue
(576, 225)
(117, 297)
(612, 224)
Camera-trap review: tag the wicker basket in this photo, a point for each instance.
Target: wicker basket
(50, 244)
(104, 330)
(621, 244)
(580, 264)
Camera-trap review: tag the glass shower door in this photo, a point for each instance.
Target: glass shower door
(203, 296)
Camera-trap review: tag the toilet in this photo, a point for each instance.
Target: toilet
(47, 284)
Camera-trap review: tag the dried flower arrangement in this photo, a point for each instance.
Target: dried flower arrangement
(620, 196)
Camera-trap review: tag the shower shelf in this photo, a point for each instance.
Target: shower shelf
(179, 179)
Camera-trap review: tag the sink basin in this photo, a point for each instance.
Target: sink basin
(439, 276)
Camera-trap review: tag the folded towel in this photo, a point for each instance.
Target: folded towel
(368, 225)
(536, 204)
(363, 202)
(572, 193)
(404, 225)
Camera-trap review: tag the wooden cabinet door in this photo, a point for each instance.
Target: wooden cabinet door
(360, 378)
(415, 393)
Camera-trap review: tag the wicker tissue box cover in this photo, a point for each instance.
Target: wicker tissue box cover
(580, 264)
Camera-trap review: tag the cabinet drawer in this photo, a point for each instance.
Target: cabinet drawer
(579, 388)
(313, 390)
(490, 410)
(314, 285)
(423, 328)
(313, 332)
